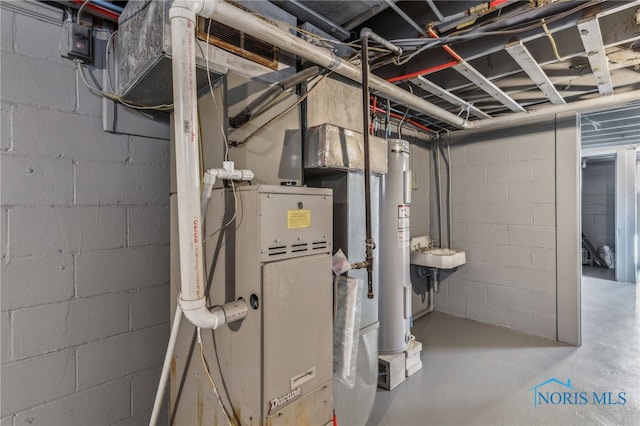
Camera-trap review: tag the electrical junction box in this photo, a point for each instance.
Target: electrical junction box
(76, 42)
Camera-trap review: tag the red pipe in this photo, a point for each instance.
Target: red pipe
(100, 11)
(412, 122)
(423, 72)
(446, 47)
(495, 3)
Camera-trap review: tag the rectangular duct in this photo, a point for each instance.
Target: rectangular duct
(143, 52)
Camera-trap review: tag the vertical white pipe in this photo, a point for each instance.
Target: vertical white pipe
(186, 151)
(166, 367)
(192, 298)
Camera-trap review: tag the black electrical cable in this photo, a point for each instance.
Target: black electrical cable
(475, 32)
(530, 25)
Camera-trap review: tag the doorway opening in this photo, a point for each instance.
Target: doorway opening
(599, 217)
(609, 140)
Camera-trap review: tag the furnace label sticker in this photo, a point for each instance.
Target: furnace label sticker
(403, 225)
(300, 218)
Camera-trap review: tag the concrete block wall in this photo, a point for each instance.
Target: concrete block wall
(503, 216)
(599, 203)
(85, 255)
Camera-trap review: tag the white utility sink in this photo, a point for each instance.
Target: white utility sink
(440, 258)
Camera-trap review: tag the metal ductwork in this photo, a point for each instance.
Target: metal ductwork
(271, 33)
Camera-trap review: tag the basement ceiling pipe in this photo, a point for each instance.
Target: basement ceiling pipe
(587, 104)
(270, 33)
(423, 72)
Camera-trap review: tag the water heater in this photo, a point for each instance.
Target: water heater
(394, 294)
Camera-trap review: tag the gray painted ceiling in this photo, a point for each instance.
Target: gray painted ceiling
(597, 52)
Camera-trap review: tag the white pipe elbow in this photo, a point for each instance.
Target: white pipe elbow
(208, 181)
(183, 9)
(204, 318)
(197, 313)
(205, 8)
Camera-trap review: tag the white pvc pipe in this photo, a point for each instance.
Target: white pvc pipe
(166, 367)
(187, 152)
(587, 104)
(210, 176)
(430, 308)
(192, 290)
(270, 33)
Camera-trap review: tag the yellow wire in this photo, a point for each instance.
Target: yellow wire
(552, 41)
(215, 389)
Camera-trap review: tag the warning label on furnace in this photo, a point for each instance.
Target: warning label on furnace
(299, 218)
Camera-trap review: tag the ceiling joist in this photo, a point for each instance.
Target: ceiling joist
(593, 45)
(444, 94)
(521, 55)
(464, 68)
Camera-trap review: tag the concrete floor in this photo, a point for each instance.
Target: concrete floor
(598, 272)
(477, 374)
